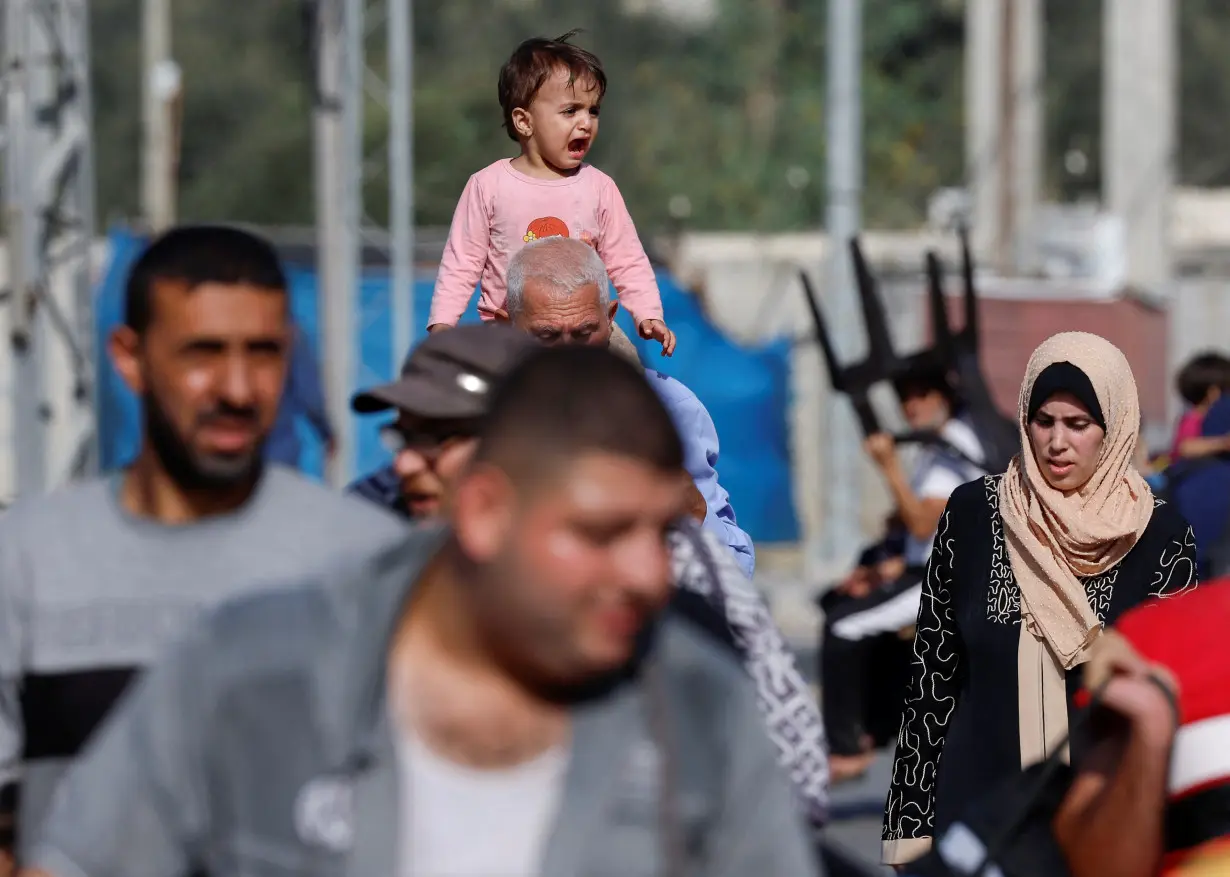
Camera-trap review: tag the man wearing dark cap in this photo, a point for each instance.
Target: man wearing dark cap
(433, 438)
(441, 393)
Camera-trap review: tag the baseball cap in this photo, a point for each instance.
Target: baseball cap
(450, 373)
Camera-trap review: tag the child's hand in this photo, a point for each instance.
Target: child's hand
(657, 330)
(437, 327)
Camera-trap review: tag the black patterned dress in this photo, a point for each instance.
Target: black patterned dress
(960, 732)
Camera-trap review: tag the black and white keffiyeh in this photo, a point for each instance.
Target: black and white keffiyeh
(700, 563)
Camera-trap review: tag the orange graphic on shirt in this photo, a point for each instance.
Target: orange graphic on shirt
(546, 227)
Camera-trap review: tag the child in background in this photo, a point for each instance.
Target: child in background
(1201, 383)
(550, 92)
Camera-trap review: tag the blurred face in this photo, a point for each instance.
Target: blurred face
(209, 370)
(553, 318)
(571, 569)
(561, 123)
(924, 408)
(1066, 442)
(428, 455)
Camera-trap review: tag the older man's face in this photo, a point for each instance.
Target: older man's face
(555, 317)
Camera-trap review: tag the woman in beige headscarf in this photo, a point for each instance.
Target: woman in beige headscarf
(1026, 569)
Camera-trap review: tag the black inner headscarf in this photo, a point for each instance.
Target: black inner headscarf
(1064, 377)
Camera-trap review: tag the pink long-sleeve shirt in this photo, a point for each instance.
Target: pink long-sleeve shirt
(502, 209)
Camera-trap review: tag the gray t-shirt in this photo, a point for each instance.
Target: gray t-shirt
(90, 594)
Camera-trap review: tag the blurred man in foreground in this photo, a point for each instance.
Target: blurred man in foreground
(498, 696)
(443, 391)
(97, 576)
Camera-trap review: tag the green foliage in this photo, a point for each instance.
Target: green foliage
(725, 116)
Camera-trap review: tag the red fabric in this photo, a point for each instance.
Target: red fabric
(1189, 427)
(1190, 635)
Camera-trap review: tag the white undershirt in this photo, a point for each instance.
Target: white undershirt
(459, 821)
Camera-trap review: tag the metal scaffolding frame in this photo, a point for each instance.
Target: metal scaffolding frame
(46, 351)
(347, 87)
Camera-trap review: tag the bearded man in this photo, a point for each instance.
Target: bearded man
(96, 577)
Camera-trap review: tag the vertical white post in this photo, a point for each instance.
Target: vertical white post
(401, 176)
(1138, 133)
(843, 218)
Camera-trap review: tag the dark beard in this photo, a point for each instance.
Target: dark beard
(190, 471)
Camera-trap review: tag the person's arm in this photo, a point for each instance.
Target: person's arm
(1110, 824)
(621, 251)
(700, 458)
(304, 384)
(133, 803)
(909, 814)
(702, 565)
(465, 255)
(919, 512)
(1203, 446)
(758, 830)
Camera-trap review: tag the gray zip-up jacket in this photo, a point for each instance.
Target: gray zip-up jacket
(260, 745)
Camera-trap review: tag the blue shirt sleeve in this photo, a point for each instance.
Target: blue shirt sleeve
(700, 458)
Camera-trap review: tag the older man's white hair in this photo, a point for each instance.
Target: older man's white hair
(563, 264)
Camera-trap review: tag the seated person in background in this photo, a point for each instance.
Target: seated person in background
(1201, 383)
(930, 404)
(861, 666)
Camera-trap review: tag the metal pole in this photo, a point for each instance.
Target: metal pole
(337, 242)
(843, 219)
(77, 26)
(157, 157)
(27, 89)
(401, 176)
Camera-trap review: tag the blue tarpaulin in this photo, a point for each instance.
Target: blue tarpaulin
(746, 390)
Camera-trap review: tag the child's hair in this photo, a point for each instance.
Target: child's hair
(536, 59)
(1201, 375)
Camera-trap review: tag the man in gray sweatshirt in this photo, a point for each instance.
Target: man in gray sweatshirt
(501, 696)
(97, 576)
